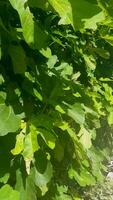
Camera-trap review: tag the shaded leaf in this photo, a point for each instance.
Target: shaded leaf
(59, 151)
(41, 180)
(102, 52)
(27, 191)
(43, 4)
(18, 58)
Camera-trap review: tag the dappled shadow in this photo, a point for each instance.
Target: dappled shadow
(83, 10)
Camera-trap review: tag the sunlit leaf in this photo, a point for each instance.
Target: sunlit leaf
(9, 122)
(85, 138)
(48, 136)
(78, 13)
(30, 144)
(19, 146)
(76, 112)
(32, 33)
(90, 62)
(6, 192)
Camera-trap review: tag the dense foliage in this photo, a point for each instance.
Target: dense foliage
(102, 191)
(56, 96)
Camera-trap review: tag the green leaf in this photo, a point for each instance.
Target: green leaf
(32, 33)
(77, 113)
(30, 147)
(80, 14)
(41, 180)
(77, 94)
(101, 52)
(0, 48)
(83, 179)
(46, 52)
(27, 191)
(60, 109)
(65, 70)
(109, 39)
(20, 185)
(0, 53)
(62, 92)
(34, 179)
(42, 120)
(59, 151)
(48, 137)
(110, 118)
(43, 4)
(90, 111)
(7, 192)
(31, 190)
(9, 122)
(62, 193)
(40, 160)
(86, 14)
(4, 179)
(90, 180)
(26, 19)
(85, 138)
(110, 115)
(37, 94)
(19, 146)
(64, 9)
(30, 144)
(18, 58)
(52, 61)
(108, 93)
(74, 174)
(90, 62)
